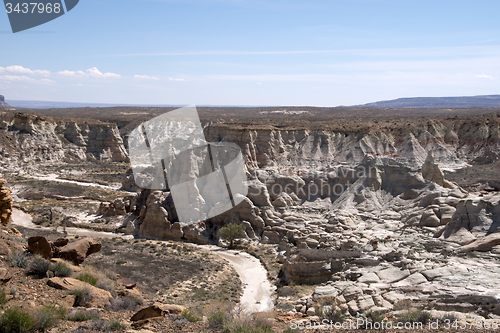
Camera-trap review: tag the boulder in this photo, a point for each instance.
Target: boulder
(482, 244)
(393, 274)
(152, 311)
(172, 308)
(40, 245)
(100, 298)
(79, 250)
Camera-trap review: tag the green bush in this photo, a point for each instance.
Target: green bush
(18, 259)
(3, 298)
(186, 314)
(48, 316)
(83, 297)
(217, 320)
(88, 278)
(16, 320)
(60, 269)
(39, 267)
(82, 316)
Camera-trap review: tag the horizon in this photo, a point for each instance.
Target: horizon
(239, 52)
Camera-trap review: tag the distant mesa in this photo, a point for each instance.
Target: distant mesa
(483, 101)
(4, 105)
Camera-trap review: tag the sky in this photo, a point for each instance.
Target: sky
(255, 52)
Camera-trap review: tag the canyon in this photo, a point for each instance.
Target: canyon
(378, 214)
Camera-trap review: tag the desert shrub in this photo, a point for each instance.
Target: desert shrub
(124, 303)
(16, 320)
(82, 316)
(448, 318)
(115, 326)
(48, 316)
(217, 320)
(243, 323)
(3, 298)
(106, 284)
(99, 325)
(39, 267)
(371, 319)
(60, 269)
(83, 297)
(18, 259)
(186, 314)
(87, 278)
(331, 314)
(415, 317)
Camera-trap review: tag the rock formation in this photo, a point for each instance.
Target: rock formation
(75, 252)
(5, 202)
(30, 139)
(3, 104)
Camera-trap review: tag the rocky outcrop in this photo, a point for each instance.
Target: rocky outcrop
(431, 172)
(5, 202)
(3, 104)
(475, 217)
(34, 139)
(453, 142)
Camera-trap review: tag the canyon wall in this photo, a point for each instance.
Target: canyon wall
(27, 139)
(454, 142)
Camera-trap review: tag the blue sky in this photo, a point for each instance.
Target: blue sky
(253, 52)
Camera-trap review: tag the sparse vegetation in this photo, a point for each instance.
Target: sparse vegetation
(48, 317)
(60, 269)
(415, 317)
(18, 259)
(82, 316)
(125, 303)
(87, 278)
(3, 298)
(83, 297)
(16, 320)
(39, 267)
(186, 314)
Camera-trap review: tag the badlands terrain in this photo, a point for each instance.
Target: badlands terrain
(358, 215)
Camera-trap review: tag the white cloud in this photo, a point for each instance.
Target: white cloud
(484, 76)
(72, 73)
(146, 77)
(23, 78)
(47, 81)
(176, 79)
(22, 70)
(91, 72)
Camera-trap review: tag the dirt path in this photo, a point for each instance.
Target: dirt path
(258, 291)
(55, 178)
